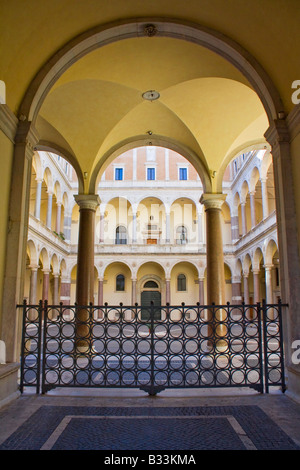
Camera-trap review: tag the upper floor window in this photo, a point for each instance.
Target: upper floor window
(120, 282)
(119, 174)
(150, 174)
(121, 235)
(181, 235)
(183, 175)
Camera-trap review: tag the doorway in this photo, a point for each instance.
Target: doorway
(151, 296)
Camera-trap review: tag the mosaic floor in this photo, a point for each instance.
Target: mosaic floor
(155, 429)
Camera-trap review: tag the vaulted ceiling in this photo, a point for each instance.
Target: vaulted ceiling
(206, 106)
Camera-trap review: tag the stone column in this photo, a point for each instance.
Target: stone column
(252, 206)
(215, 268)
(199, 217)
(37, 211)
(45, 292)
(101, 236)
(18, 212)
(256, 283)
(33, 285)
(88, 204)
(100, 291)
(269, 284)
(244, 219)
(67, 225)
(246, 287)
(32, 314)
(55, 289)
(134, 240)
(134, 233)
(58, 217)
(281, 135)
(214, 248)
(49, 210)
(168, 291)
(235, 232)
(265, 201)
(201, 290)
(133, 291)
(168, 225)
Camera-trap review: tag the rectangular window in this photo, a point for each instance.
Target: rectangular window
(183, 173)
(150, 174)
(118, 174)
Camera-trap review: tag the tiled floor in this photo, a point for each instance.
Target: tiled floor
(122, 421)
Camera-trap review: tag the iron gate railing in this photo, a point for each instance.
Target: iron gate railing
(152, 348)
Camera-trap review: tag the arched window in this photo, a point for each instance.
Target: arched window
(151, 284)
(121, 235)
(120, 282)
(181, 235)
(181, 282)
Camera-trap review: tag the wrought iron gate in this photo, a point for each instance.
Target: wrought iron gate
(152, 348)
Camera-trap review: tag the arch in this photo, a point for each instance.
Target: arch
(104, 34)
(111, 263)
(63, 268)
(246, 263)
(52, 147)
(254, 177)
(155, 265)
(32, 252)
(55, 264)
(258, 257)
(159, 141)
(45, 258)
(57, 191)
(151, 285)
(48, 178)
(271, 249)
(36, 161)
(187, 263)
(258, 144)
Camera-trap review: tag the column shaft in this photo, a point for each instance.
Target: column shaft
(49, 211)
(214, 248)
(85, 267)
(37, 211)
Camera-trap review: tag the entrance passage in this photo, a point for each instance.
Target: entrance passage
(130, 347)
(148, 298)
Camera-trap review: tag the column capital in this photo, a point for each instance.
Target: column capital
(87, 201)
(212, 200)
(268, 267)
(33, 267)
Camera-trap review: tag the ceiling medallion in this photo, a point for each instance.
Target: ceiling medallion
(151, 95)
(150, 30)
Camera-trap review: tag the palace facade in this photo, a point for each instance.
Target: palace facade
(150, 230)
